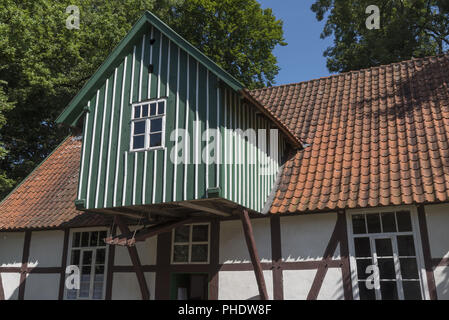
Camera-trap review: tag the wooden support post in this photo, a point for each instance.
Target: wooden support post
(248, 230)
(135, 260)
(65, 248)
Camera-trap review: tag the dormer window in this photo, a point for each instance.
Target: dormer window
(148, 125)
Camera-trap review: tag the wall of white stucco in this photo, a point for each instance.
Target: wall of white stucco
(233, 248)
(305, 237)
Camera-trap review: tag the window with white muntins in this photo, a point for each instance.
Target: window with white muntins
(190, 244)
(385, 256)
(88, 253)
(148, 125)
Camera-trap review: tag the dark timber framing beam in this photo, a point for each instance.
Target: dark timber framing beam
(251, 243)
(199, 207)
(133, 254)
(25, 256)
(2, 294)
(327, 257)
(426, 253)
(63, 264)
(130, 238)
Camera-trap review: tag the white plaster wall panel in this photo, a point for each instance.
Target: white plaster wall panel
(11, 249)
(42, 287)
(441, 275)
(10, 283)
(242, 285)
(305, 237)
(150, 278)
(147, 252)
(332, 287)
(46, 248)
(233, 248)
(437, 217)
(297, 283)
(125, 286)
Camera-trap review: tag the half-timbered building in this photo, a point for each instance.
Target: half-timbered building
(176, 182)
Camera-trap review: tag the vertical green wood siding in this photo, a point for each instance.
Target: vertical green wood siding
(112, 176)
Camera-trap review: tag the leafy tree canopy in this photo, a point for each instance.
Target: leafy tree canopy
(43, 64)
(408, 28)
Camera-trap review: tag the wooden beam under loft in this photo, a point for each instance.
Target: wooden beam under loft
(203, 207)
(129, 239)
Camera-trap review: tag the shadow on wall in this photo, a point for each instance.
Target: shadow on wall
(442, 279)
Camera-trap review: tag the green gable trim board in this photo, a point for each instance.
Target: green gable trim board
(74, 110)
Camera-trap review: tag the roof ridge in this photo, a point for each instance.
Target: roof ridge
(413, 59)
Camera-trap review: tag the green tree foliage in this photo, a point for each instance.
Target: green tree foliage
(408, 28)
(44, 64)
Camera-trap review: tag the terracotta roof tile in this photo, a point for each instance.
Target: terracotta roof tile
(45, 199)
(378, 137)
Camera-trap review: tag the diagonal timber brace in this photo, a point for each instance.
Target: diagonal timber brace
(133, 254)
(130, 238)
(251, 243)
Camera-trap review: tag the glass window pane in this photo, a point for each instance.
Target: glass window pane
(153, 109)
(71, 294)
(181, 253)
(98, 290)
(373, 223)
(404, 221)
(412, 290)
(386, 268)
(362, 247)
(384, 247)
(388, 290)
(139, 127)
(99, 271)
(145, 111)
(85, 239)
(388, 222)
(94, 239)
(199, 253)
(182, 234)
(76, 239)
(200, 232)
(362, 264)
(406, 246)
(155, 140)
(101, 256)
(75, 258)
(365, 293)
(161, 108)
(136, 112)
(409, 268)
(87, 258)
(103, 235)
(156, 125)
(358, 223)
(138, 142)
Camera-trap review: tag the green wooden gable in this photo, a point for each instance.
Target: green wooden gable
(155, 65)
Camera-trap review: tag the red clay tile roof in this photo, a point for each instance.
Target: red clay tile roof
(378, 137)
(46, 197)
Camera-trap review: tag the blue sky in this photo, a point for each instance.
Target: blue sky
(302, 59)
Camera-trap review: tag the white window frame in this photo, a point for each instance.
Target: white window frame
(189, 243)
(147, 125)
(416, 238)
(68, 262)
